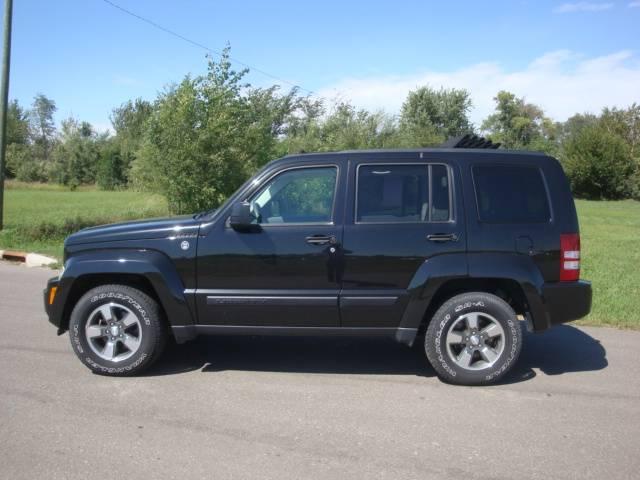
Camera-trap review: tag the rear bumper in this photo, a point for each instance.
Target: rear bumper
(566, 301)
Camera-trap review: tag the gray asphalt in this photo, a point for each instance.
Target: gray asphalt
(274, 408)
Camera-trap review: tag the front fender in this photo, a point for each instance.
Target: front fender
(156, 267)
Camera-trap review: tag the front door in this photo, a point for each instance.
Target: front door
(403, 215)
(285, 272)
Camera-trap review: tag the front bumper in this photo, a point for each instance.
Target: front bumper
(54, 309)
(567, 301)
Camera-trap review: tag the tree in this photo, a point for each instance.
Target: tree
(207, 135)
(17, 138)
(129, 122)
(110, 171)
(598, 163)
(43, 125)
(428, 116)
(626, 124)
(576, 123)
(17, 124)
(76, 156)
(345, 127)
(517, 124)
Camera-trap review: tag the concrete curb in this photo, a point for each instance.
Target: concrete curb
(29, 259)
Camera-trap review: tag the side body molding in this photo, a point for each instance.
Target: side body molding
(156, 267)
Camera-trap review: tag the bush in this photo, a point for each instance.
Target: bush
(32, 170)
(598, 163)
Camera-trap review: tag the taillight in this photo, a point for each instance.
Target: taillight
(569, 257)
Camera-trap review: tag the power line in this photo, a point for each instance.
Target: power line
(203, 47)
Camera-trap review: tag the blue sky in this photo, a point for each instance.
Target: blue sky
(566, 56)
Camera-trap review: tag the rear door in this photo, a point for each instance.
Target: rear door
(400, 212)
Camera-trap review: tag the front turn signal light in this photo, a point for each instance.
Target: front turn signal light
(52, 294)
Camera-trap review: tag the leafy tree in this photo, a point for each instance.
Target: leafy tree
(110, 171)
(129, 122)
(576, 123)
(626, 124)
(517, 124)
(17, 124)
(428, 116)
(43, 125)
(76, 156)
(17, 138)
(207, 135)
(598, 163)
(344, 128)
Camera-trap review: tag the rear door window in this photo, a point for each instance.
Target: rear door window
(511, 194)
(392, 193)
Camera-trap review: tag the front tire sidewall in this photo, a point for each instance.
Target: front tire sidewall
(80, 316)
(436, 347)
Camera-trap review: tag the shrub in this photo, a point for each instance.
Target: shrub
(598, 163)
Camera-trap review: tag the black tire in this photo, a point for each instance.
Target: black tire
(487, 358)
(149, 330)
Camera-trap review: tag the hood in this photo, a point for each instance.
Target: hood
(155, 228)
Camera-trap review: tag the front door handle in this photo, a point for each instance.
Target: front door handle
(442, 237)
(321, 240)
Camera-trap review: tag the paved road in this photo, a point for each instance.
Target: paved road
(311, 408)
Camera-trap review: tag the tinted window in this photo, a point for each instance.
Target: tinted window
(302, 195)
(439, 193)
(510, 194)
(400, 193)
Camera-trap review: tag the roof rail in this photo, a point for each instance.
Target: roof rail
(469, 141)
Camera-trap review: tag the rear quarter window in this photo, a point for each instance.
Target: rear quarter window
(511, 194)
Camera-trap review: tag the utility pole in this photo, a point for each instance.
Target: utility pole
(4, 98)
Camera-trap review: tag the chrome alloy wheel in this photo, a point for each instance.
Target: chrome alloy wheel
(113, 332)
(475, 341)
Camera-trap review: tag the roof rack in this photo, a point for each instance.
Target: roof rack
(469, 141)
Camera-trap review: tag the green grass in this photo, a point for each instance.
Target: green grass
(610, 232)
(38, 217)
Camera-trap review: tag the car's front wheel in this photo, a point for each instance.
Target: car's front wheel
(117, 330)
(473, 339)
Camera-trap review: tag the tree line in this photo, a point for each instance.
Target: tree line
(201, 138)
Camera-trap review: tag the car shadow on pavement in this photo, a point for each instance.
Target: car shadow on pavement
(294, 354)
(563, 349)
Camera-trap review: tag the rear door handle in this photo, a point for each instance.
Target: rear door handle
(321, 240)
(442, 237)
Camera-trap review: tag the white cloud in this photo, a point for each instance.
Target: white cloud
(103, 127)
(582, 7)
(634, 4)
(561, 82)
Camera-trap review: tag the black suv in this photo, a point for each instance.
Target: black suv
(456, 246)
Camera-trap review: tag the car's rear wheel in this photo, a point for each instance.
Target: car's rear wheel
(473, 339)
(117, 330)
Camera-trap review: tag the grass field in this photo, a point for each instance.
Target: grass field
(610, 236)
(37, 218)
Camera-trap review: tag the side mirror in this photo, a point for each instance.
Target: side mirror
(242, 218)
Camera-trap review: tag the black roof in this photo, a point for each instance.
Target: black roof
(468, 143)
(417, 151)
